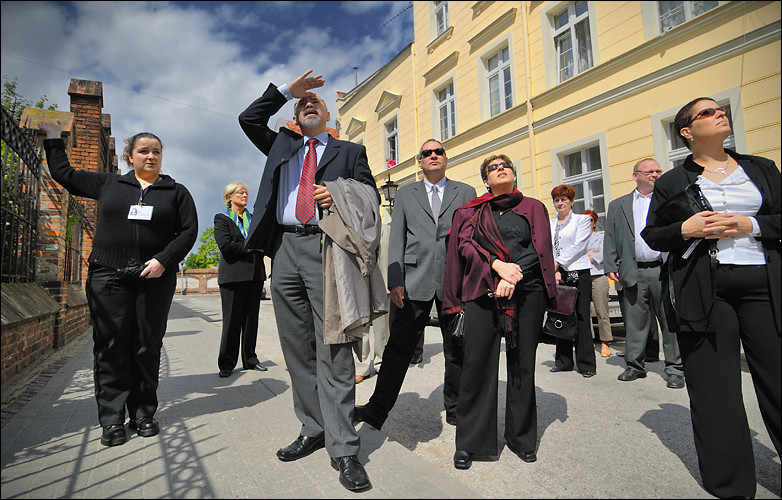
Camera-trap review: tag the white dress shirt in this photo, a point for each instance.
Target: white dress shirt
(736, 194)
(290, 175)
(643, 253)
(440, 190)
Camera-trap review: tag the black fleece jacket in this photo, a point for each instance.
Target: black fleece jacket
(168, 237)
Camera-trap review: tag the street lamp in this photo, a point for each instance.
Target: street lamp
(389, 192)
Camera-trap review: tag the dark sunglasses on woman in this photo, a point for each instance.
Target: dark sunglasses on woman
(707, 112)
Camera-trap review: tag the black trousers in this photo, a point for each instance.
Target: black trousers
(129, 317)
(241, 304)
(476, 413)
(584, 347)
(406, 326)
(742, 315)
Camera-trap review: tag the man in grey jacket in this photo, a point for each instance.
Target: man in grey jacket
(416, 264)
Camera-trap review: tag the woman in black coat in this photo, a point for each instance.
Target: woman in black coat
(718, 215)
(240, 276)
(147, 223)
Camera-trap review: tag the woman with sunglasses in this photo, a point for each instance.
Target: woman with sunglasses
(723, 289)
(499, 274)
(570, 233)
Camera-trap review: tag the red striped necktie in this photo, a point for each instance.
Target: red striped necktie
(305, 203)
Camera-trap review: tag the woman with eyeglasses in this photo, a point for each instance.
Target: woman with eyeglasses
(723, 289)
(570, 234)
(499, 274)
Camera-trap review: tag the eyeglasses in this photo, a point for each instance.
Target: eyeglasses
(426, 153)
(495, 166)
(649, 172)
(707, 112)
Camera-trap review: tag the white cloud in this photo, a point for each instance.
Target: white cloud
(185, 74)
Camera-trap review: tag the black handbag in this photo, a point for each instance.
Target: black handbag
(561, 326)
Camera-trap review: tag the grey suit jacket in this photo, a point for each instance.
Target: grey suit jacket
(416, 248)
(619, 241)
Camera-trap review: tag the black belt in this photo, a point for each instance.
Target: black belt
(647, 265)
(304, 229)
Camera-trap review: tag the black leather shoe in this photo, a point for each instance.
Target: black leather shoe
(417, 359)
(225, 373)
(450, 419)
(559, 369)
(146, 427)
(259, 367)
(587, 374)
(362, 414)
(351, 473)
(113, 435)
(631, 374)
(527, 456)
(303, 446)
(675, 381)
(462, 459)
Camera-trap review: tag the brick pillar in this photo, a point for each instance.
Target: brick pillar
(86, 106)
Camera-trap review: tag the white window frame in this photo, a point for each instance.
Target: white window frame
(569, 30)
(391, 133)
(504, 74)
(448, 129)
(685, 7)
(440, 17)
(581, 181)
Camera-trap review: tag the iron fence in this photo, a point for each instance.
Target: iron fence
(21, 165)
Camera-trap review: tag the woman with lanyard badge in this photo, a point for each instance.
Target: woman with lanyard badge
(240, 276)
(147, 223)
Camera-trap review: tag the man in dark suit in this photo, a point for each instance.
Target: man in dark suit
(416, 268)
(285, 227)
(630, 261)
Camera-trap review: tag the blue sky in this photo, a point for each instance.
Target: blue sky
(185, 70)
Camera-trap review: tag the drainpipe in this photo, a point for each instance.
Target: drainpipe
(527, 85)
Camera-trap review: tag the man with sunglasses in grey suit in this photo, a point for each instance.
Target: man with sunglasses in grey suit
(416, 264)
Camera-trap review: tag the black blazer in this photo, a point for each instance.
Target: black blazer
(692, 279)
(236, 263)
(340, 159)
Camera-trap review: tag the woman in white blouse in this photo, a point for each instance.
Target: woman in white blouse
(600, 284)
(570, 233)
(723, 285)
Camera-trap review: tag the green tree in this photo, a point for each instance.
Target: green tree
(15, 103)
(207, 255)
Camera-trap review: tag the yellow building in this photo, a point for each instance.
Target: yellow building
(573, 92)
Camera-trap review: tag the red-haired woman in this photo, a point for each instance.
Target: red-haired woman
(570, 234)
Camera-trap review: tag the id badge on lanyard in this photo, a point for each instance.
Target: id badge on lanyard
(141, 211)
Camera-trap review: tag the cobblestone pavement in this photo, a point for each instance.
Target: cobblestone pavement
(598, 437)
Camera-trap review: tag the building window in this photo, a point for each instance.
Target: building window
(446, 106)
(678, 152)
(500, 82)
(441, 17)
(392, 141)
(675, 13)
(584, 171)
(572, 40)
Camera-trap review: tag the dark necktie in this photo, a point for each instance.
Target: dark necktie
(305, 204)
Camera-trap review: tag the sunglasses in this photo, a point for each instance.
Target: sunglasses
(426, 153)
(707, 112)
(496, 166)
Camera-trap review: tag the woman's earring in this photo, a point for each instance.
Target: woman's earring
(692, 139)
